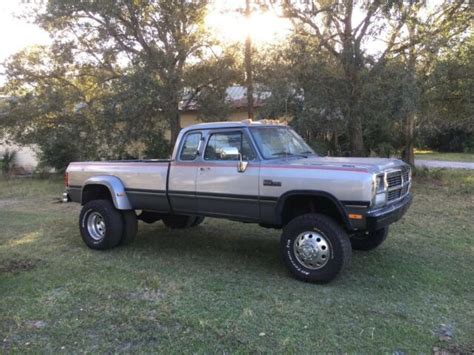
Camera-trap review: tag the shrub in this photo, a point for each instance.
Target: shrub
(8, 161)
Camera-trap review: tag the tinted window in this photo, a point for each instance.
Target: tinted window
(190, 146)
(228, 139)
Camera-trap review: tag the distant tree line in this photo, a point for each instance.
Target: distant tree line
(114, 79)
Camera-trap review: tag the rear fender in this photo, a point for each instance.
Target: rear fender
(115, 187)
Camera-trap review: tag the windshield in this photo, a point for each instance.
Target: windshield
(277, 142)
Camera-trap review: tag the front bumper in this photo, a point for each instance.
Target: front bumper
(387, 215)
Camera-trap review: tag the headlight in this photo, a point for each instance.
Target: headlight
(380, 199)
(380, 183)
(379, 191)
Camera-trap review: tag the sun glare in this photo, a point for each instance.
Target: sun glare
(263, 27)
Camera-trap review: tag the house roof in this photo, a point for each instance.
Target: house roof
(236, 96)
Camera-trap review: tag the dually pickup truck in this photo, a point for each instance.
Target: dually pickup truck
(260, 172)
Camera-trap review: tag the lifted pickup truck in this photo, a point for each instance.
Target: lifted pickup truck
(260, 172)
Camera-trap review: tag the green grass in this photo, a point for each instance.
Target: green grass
(430, 155)
(221, 287)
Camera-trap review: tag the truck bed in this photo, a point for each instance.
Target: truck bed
(144, 180)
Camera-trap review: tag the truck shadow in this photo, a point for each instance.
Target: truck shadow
(226, 243)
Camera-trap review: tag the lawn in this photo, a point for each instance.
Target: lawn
(431, 155)
(221, 287)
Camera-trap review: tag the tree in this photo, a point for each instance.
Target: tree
(428, 34)
(332, 25)
(446, 110)
(165, 37)
(309, 86)
(114, 79)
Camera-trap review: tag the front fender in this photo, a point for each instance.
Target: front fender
(115, 187)
(315, 193)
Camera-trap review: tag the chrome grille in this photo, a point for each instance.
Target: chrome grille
(398, 183)
(394, 179)
(393, 195)
(406, 174)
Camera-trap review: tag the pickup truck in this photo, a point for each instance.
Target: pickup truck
(258, 172)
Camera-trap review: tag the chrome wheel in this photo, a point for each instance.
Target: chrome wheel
(312, 250)
(96, 226)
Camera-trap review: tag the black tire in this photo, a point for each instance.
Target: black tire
(175, 221)
(130, 227)
(335, 241)
(369, 240)
(112, 220)
(197, 221)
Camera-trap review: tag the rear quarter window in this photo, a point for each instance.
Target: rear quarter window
(189, 150)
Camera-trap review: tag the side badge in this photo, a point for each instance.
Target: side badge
(271, 183)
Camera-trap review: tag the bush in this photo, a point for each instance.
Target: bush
(446, 139)
(8, 162)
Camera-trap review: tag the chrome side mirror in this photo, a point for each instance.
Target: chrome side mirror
(242, 165)
(229, 153)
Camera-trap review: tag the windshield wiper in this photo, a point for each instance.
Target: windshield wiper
(288, 154)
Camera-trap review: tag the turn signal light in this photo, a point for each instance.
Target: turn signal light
(66, 179)
(355, 216)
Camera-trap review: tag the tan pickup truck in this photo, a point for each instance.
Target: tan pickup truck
(259, 172)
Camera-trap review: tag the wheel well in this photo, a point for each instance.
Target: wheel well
(298, 205)
(95, 192)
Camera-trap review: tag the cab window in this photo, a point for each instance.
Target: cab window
(189, 151)
(221, 140)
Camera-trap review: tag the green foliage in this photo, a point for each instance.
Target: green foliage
(112, 83)
(447, 108)
(357, 101)
(310, 88)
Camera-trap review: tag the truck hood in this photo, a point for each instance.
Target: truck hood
(371, 165)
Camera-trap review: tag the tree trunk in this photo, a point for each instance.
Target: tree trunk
(175, 126)
(352, 70)
(409, 150)
(248, 66)
(172, 116)
(408, 154)
(356, 136)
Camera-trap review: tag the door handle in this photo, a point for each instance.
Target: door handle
(204, 169)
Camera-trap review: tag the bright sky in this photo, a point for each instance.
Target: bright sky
(228, 23)
(17, 33)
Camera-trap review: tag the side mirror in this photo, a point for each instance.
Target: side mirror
(229, 153)
(242, 165)
(232, 153)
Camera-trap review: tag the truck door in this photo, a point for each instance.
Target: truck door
(182, 174)
(222, 190)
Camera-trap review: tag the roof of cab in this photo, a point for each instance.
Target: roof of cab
(232, 124)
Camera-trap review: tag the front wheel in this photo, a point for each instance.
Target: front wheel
(369, 240)
(315, 248)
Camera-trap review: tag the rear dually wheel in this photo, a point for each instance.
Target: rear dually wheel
(101, 225)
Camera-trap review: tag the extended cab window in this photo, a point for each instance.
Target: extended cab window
(189, 151)
(221, 140)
